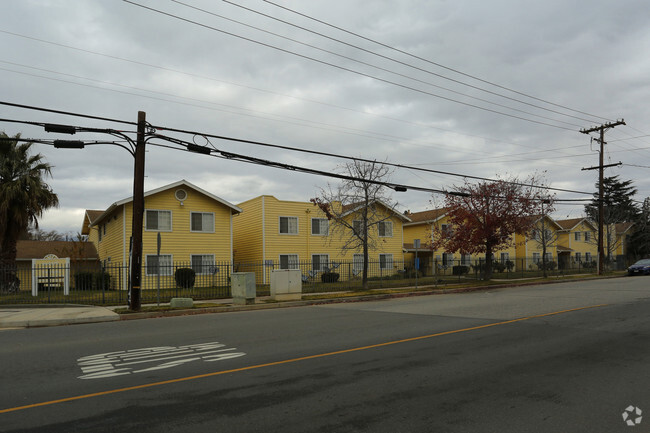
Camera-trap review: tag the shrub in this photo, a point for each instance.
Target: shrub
(102, 280)
(550, 266)
(185, 277)
(460, 270)
(498, 267)
(83, 280)
(329, 277)
(510, 265)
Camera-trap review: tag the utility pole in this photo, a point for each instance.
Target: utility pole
(601, 167)
(138, 214)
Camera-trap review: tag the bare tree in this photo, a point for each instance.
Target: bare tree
(357, 207)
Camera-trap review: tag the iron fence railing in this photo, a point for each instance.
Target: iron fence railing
(108, 284)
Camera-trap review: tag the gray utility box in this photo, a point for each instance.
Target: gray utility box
(286, 285)
(242, 285)
(181, 303)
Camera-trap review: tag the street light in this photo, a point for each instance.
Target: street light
(138, 152)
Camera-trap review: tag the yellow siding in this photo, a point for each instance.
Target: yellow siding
(247, 232)
(181, 243)
(258, 238)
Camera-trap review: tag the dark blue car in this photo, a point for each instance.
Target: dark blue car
(642, 267)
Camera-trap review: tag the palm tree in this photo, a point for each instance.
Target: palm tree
(23, 197)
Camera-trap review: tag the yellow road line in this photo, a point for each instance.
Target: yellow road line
(288, 361)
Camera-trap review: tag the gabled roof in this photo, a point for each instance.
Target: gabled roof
(572, 223)
(353, 207)
(427, 216)
(622, 228)
(183, 182)
(27, 250)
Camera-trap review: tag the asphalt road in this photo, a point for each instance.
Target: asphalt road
(569, 357)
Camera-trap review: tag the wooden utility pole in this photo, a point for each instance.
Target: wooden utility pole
(601, 167)
(138, 214)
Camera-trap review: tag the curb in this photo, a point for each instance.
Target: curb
(361, 298)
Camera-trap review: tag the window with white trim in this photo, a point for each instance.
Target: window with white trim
(288, 225)
(289, 261)
(320, 226)
(385, 261)
(587, 236)
(578, 236)
(447, 259)
(202, 222)
(588, 257)
(385, 229)
(537, 257)
(319, 262)
(549, 257)
(466, 259)
(578, 257)
(446, 230)
(202, 264)
(159, 265)
(158, 220)
(357, 263)
(505, 257)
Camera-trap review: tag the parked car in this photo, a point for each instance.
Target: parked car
(642, 267)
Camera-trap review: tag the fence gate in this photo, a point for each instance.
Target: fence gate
(51, 271)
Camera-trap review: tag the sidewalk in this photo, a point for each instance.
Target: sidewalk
(24, 316)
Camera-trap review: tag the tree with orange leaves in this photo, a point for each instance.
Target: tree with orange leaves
(485, 216)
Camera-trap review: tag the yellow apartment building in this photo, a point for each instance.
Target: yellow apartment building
(195, 227)
(280, 234)
(577, 243)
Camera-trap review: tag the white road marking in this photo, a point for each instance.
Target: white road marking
(112, 364)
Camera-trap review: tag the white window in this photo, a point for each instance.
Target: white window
(289, 261)
(319, 262)
(549, 257)
(446, 230)
(466, 259)
(587, 236)
(319, 226)
(385, 261)
(203, 264)
(578, 257)
(288, 225)
(158, 220)
(588, 257)
(505, 257)
(537, 257)
(159, 265)
(386, 229)
(357, 263)
(447, 259)
(202, 222)
(578, 236)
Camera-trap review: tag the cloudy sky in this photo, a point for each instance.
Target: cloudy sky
(470, 87)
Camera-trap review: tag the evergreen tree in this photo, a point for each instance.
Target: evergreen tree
(618, 201)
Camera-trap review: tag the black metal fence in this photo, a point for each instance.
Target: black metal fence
(108, 285)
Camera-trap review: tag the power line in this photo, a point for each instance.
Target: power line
(429, 61)
(315, 152)
(217, 80)
(67, 113)
(270, 145)
(387, 58)
(343, 68)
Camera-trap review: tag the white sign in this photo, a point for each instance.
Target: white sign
(151, 358)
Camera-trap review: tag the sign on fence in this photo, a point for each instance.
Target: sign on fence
(51, 272)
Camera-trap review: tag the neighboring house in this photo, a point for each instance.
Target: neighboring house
(82, 255)
(529, 247)
(431, 261)
(577, 243)
(622, 231)
(195, 228)
(278, 234)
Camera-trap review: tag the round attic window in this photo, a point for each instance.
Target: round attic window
(180, 194)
